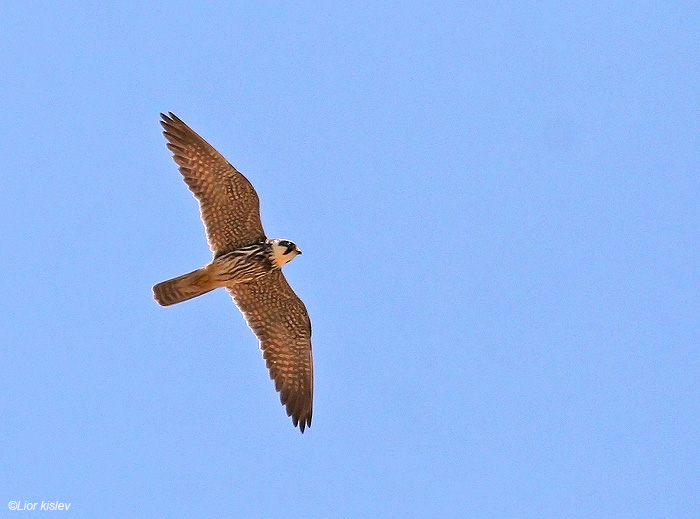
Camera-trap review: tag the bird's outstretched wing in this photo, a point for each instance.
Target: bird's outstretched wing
(228, 203)
(280, 320)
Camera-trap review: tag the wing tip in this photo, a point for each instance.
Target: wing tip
(170, 117)
(171, 122)
(302, 423)
(299, 408)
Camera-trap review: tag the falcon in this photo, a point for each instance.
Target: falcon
(247, 264)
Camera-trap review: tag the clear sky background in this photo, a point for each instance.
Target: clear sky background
(498, 204)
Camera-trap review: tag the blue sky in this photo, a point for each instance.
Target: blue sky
(498, 208)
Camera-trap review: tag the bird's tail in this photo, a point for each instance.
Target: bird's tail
(184, 287)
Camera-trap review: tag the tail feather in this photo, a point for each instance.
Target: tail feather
(183, 287)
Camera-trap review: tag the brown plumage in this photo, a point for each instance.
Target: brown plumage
(230, 211)
(280, 320)
(228, 203)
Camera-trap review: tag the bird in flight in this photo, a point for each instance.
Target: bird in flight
(247, 264)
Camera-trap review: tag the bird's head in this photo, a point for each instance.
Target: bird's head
(283, 251)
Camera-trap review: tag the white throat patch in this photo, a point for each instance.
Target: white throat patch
(279, 256)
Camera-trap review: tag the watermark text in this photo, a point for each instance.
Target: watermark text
(29, 506)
